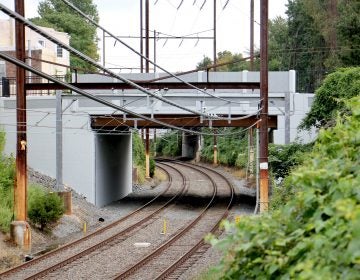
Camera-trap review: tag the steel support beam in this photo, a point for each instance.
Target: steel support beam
(157, 85)
(185, 121)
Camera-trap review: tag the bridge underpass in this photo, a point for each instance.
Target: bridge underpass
(83, 121)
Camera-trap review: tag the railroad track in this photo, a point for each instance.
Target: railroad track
(70, 252)
(69, 261)
(171, 259)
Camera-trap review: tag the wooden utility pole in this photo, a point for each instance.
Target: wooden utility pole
(264, 138)
(20, 230)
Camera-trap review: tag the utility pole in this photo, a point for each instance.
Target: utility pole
(147, 50)
(147, 153)
(214, 35)
(141, 38)
(20, 229)
(251, 35)
(264, 169)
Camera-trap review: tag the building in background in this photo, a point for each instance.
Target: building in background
(40, 49)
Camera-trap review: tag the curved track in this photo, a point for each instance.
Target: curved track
(109, 252)
(70, 252)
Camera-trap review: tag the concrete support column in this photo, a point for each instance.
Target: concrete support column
(147, 154)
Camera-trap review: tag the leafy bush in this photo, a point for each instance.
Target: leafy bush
(316, 234)
(282, 158)
(169, 145)
(330, 97)
(232, 150)
(7, 175)
(44, 207)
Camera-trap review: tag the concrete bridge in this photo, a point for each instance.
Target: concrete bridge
(95, 141)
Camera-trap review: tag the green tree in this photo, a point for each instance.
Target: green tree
(205, 62)
(348, 29)
(331, 96)
(278, 44)
(56, 14)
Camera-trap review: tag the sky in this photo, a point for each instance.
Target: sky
(121, 17)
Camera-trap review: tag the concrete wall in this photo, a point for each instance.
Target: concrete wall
(113, 156)
(81, 168)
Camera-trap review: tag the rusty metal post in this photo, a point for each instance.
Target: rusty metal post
(251, 35)
(264, 172)
(147, 154)
(215, 148)
(147, 49)
(19, 229)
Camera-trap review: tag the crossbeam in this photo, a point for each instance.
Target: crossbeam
(148, 85)
(185, 121)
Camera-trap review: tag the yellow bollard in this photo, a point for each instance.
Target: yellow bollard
(84, 228)
(237, 219)
(164, 227)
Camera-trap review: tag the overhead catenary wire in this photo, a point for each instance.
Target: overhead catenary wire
(20, 63)
(111, 73)
(135, 51)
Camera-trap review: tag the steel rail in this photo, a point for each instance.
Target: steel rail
(97, 232)
(169, 270)
(114, 237)
(99, 99)
(97, 65)
(144, 57)
(177, 236)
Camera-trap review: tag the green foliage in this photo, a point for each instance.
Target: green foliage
(138, 155)
(282, 158)
(348, 27)
(232, 150)
(233, 62)
(330, 97)
(56, 14)
(316, 235)
(7, 175)
(44, 207)
(169, 145)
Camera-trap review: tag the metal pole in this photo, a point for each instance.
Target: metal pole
(104, 48)
(147, 153)
(147, 35)
(264, 172)
(141, 38)
(214, 34)
(154, 51)
(59, 144)
(215, 148)
(20, 206)
(251, 35)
